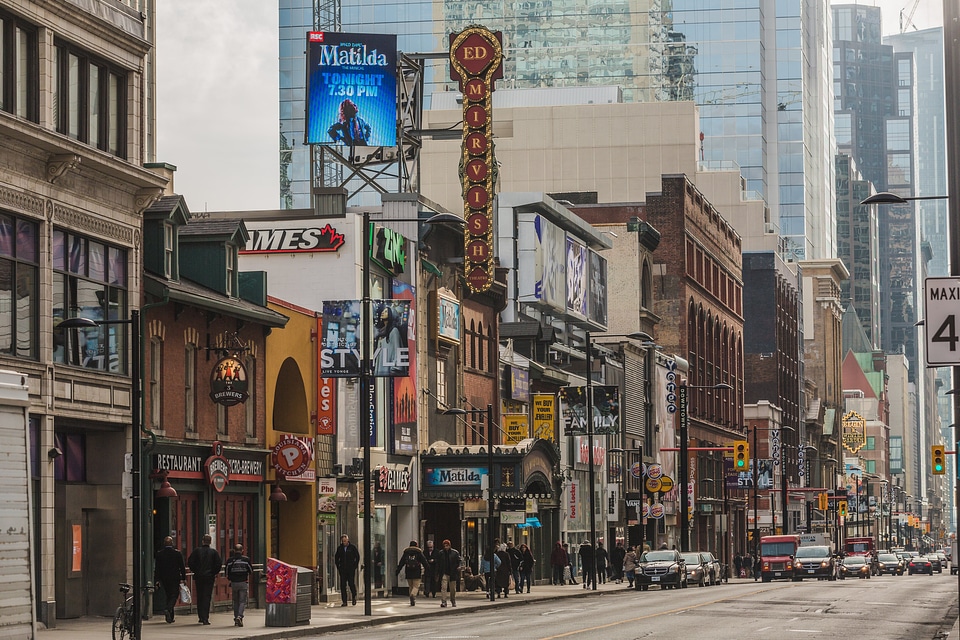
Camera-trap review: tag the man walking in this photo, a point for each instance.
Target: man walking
(431, 579)
(616, 561)
(170, 572)
(516, 559)
(448, 570)
(601, 558)
(205, 562)
(413, 564)
(347, 560)
(238, 573)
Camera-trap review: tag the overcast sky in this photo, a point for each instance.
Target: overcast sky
(218, 96)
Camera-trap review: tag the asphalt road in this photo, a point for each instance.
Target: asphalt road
(882, 608)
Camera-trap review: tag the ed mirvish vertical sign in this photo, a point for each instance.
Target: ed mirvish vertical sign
(351, 89)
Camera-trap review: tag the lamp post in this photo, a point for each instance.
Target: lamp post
(684, 461)
(490, 532)
(135, 384)
(367, 427)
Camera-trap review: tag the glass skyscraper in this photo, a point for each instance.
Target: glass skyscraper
(760, 72)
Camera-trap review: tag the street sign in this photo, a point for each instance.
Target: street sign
(941, 297)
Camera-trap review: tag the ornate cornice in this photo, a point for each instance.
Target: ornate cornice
(87, 222)
(22, 202)
(146, 197)
(59, 164)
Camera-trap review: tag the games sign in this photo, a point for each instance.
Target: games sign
(476, 61)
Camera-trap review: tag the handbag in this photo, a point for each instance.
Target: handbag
(185, 596)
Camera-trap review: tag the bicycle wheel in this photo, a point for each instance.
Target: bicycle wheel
(120, 625)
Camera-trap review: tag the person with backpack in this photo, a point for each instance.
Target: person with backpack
(413, 563)
(238, 573)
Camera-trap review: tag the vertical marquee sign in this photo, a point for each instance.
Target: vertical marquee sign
(476, 60)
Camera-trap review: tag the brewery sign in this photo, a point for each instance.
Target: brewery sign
(217, 468)
(228, 382)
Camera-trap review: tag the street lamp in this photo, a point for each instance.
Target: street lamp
(135, 384)
(684, 461)
(490, 532)
(366, 388)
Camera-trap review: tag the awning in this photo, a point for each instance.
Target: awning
(532, 521)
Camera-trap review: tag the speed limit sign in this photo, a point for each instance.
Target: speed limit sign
(941, 327)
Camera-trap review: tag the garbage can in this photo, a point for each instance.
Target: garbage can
(288, 594)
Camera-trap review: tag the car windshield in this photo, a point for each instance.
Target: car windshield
(707, 556)
(691, 558)
(654, 556)
(851, 560)
(887, 557)
(812, 552)
(777, 549)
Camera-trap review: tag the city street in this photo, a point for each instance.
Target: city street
(883, 608)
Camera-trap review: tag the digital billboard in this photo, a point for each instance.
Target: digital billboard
(351, 89)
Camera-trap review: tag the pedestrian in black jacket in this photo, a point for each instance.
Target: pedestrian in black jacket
(431, 579)
(588, 566)
(347, 559)
(526, 567)
(616, 561)
(504, 571)
(448, 570)
(601, 557)
(413, 563)
(170, 572)
(516, 559)
(205, 562)
(238, 572)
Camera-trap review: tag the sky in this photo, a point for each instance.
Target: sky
(218, 96)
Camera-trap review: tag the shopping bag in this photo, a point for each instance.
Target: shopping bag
(566, 574)
(185, 596)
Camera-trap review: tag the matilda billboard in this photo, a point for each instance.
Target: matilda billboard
(351, 89)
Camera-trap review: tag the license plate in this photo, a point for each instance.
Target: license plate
(777, 574)
(811, 571)
(654, 578)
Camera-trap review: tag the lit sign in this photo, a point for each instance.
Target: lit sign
(305, 240)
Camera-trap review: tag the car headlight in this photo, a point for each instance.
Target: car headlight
(673, 568)
(825, 564)
(882, 566)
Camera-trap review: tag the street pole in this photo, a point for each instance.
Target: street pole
(590, 472)
(683, 517)
(756, 504)
(135, 425)
(366, 409)
(490, 531)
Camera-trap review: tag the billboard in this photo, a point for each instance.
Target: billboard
(351, 89)
(404, 422)
(597, 300)
(389, 352)
(576, 278)
(606, 410)
(550, 265)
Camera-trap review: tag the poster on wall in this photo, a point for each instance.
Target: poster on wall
(404, 419)
(351, 89)
(517, 428)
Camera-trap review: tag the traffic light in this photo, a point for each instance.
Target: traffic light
(823, 501)
(936, 458)
(741, 455)
(842, 508)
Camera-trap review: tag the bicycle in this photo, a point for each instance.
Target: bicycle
(123, 619)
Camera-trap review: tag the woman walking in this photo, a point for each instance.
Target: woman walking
(559, 562)
(630, 566)
(526, 568)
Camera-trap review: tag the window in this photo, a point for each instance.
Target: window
(18, 286)
(168, 246)
(89, 99)
(190, 388)
(90, 281)
(221, 420)
(72, 465)
(231, 269)
(442, 383)
(871, 466)
(251, 404)
(871, 443)
(154, 383)
(19, 68)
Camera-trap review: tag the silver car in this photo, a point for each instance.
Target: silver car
(714, 568)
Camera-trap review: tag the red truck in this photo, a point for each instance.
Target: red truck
(777, 557)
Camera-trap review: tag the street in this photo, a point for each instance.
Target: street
(909, 607)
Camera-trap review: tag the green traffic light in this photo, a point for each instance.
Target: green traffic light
(939, 467)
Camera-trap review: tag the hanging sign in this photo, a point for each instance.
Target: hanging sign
(228, 382)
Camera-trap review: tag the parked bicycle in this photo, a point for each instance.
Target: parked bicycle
(123, 620)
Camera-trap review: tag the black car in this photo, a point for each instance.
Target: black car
(919, 564)
(664, 567)
(890, 563)
(855, 567)
(814, 561)
(935, 563)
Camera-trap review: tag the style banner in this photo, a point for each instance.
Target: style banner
(351, 89)
(390, 352)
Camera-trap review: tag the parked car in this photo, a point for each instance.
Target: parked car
(814, 561)
(920, 564)
(943, 560)
(664, 567)
(698, 572)
(935, 564)
(714, 568)
(890, 563)
(855, 566)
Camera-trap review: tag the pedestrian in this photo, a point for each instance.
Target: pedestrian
(558, 562)
(448, 570)
(413, 563)
(616, 561)
(630, 565)
(205, 562)
(570, 568)
(738, 563)
(347, 560)
(526, 567)
(516, 560)
(601, 557)
(239, 570)
(504, 571)
(377, 565)
(170, 572)
(431, 579)
(588, 566)
(488, 566)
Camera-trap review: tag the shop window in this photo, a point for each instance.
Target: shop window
(19, 274)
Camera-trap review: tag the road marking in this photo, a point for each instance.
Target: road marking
(491, 624)
(887, 604)
(663, 613)
(804, 631)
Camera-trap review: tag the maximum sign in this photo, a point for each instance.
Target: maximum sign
(941, 322)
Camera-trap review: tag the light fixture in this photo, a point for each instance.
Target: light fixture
(165, 490)
(54, 453)
(277, 495)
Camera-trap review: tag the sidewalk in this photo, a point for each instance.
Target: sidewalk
(326, 617)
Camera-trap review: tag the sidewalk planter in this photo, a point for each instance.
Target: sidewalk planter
(289, 591)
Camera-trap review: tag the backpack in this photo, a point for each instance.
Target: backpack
(412, 563)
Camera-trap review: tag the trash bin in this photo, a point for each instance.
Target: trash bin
(288, 594)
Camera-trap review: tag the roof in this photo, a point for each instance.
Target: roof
(211, 227)
(196, 295)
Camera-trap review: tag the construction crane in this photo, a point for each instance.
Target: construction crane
(906, 21)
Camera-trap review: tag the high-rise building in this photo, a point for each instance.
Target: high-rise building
(761, 80)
